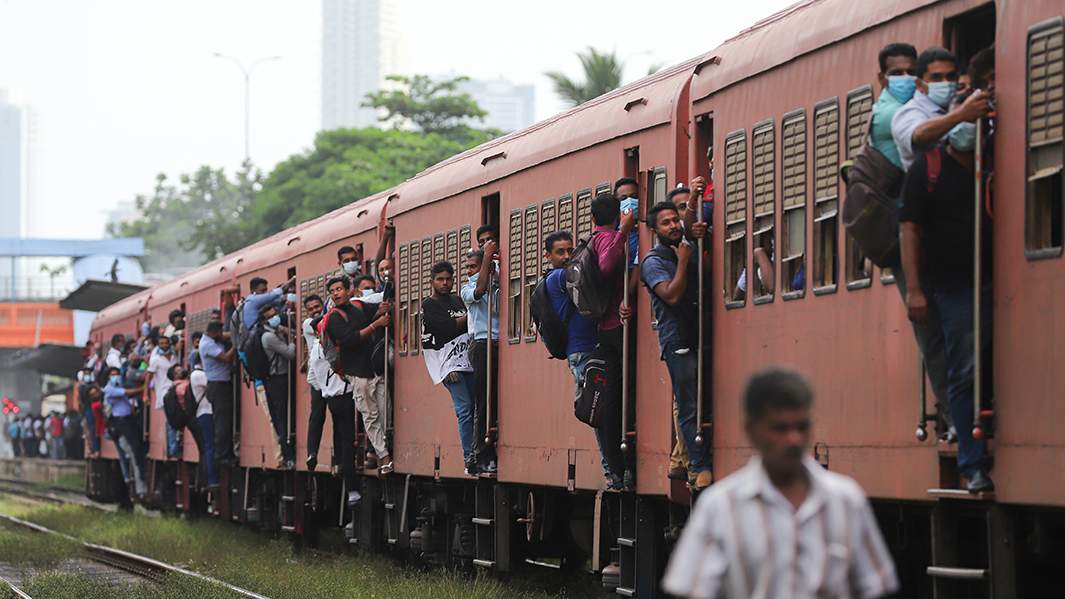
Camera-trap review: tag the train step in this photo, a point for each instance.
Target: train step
(960, 494)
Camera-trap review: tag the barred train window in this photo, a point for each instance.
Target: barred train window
(514, 268)
(584, 213)
(565, 213)
(826, 196)
(1043, 196)
(859, 109)
(404, 300)
(660, 186)
(793, 190)
(763, 202)
(465, 245)
(533, 255)
(735, 217)
(451, 252)
(548, 225)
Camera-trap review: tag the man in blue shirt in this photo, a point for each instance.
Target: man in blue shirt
(122, 419)
(582, 336)
(218, 366)
(480, 266)
(671, 274)
(253, 304)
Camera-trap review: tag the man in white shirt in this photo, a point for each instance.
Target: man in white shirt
(205, 418)
(782, 526)
(114, 354)
(161, 360)
(336, 392)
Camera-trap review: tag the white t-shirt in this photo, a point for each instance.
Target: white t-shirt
(198, 380)
(114, 358)
(158, 366)
(321, 376)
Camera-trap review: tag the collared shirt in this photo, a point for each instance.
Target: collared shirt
(115, 396)
(158, 366)
(678, 325)
(745, 539)
(477, 321)
(918, 110)
(114, 358)
(880, 130)
(609, 246)
(253, 304)
(309, 336)
(216, 370)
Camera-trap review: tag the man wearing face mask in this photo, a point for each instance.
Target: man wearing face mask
(923, 121)
(348, 260)
(937, 219)
(898, 83)
(122, 418)
(161, 360)
(280, 348)
(260, 296)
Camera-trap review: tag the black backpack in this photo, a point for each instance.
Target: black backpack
(594, 400)
(179, 411)
(871, 212)
(584, 283)
(257, 361)
(554, 331)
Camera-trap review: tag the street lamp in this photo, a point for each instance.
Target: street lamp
(246, 71)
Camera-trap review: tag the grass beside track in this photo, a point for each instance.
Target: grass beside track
(55, 584)
(266, 565)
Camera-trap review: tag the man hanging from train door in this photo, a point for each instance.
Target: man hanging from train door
(218, 366)
(280, 346)
(671, 277)
(161, 359)
(482, 269)
(121, 416)
(937, 221)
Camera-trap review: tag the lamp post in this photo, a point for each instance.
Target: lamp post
(246, 71)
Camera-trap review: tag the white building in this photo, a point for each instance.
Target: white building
(360, 47)
(13, 167)
(510, 106)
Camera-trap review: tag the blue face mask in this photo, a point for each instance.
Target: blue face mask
(963, 137)
(291, 297)
(942, 92)
(115, 379)
(902, 87)
(274, 321)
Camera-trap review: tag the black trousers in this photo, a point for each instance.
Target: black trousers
(609, 351)
(342, 408)
(479, 360)
(220, 394)
(316, 422)
(277, 402)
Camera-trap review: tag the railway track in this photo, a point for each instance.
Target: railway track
(138, 565)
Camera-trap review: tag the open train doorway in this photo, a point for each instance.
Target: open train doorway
(485, 355)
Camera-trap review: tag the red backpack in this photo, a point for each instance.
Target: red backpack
(330, 349)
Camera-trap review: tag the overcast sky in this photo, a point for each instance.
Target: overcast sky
(121, 90)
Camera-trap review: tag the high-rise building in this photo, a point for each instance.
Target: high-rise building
(510, 106)
(360, 47)
(13, 152)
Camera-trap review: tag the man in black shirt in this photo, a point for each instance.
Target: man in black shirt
(352, 328)
(937, 221)
(445, 347)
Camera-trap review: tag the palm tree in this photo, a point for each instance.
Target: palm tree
(602, 73)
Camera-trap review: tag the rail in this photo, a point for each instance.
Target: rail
(14, 589)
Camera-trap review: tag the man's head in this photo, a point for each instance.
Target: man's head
(267, 312)
(678, 196)
(605, 209)
(965, 87)
(176, 372)
(214, 329)
(384, 269)
(348, 259)
(164, 344)
(626, 187)
(112, 372)
(258, 285)
(558, 247)
(486, 233)
(177, 318)
(896, 60)
(665, 220)
(313, 305)
(443, 277)
(473, 262)
(196, 339)
(364, 283)
(118, 340)
(777, 404)
(215, 314)
(982, 69)
(339, 289)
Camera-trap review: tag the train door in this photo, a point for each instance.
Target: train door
(490, 217)
(290, 318)
(228, 301)
(704, 167)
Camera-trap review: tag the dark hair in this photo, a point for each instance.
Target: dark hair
(114, 369)
(933, 54)
(311, 298)
(981, 65)
(551, 239)
(197, 335)
(489, 229)
(478, 254)
(442, 266)
(117, 339)
(361, 278)
(343, 280)
(266, 308)
(214, 326)
(130, 343)
(605, 208)
(676, 191)
(346, 250)
(170, 371)
(153, 334)
(659, 208)
(174, 314)
(161, 337)
(256, 282)
(625, 181)
(775, 388)
(895, 49)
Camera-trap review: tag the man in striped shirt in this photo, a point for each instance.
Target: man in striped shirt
(782, 526)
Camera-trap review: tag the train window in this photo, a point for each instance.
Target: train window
(735, 218)
(584, 212)
(420, 253)
(404, 299)
(859, 271)
(826, 196)
(793, 189)
(514, 269)
(565, 213)
(659, 186)
(438, 256)
(451, 251)
(548, 225)
(532, 266)
(763, 203)
(465, 245)
(1043, 197)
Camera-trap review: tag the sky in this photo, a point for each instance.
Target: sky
(121, 90)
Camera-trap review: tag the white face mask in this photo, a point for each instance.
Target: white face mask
(350, 268)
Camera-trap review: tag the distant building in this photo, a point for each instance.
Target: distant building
(510, 106)
(13, 163)
(360, 47)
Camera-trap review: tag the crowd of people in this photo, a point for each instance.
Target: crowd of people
(56, 436)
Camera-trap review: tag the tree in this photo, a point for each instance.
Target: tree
(431, 105)
(602, 74)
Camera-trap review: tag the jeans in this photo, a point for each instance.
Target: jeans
(90, 420)
(462, 392)
(206, 422)
(955, 306)
(58, 450)
(277, 402)
(482, 452)
(129, 439)
(929, 335)
(682, 373)
(173, 441)
(608, 434)
(578, 361)
(220, 394)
